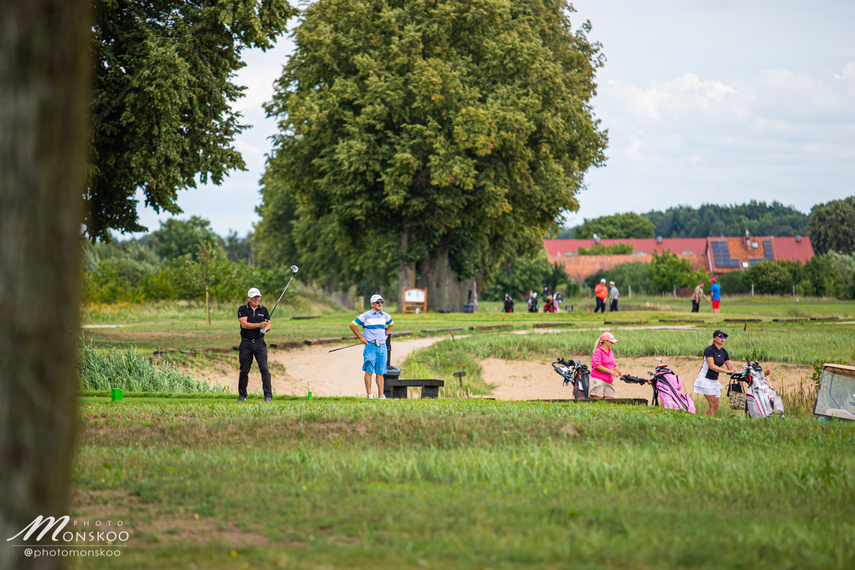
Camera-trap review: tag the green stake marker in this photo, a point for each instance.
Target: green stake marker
(117, 394)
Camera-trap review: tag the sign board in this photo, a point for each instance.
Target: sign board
(836, 395)
(415, 299)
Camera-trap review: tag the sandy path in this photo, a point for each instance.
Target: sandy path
(313, 368)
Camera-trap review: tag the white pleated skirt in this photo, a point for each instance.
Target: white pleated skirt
(704, 385)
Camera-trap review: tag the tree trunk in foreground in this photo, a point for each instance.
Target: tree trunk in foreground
(44, 102)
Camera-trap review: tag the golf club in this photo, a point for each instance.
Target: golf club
(343, 347)
(376, 343)
(294, 270)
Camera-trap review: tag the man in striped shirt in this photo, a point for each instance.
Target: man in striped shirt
(375, 324)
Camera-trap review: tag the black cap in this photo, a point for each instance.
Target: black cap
(719, 333)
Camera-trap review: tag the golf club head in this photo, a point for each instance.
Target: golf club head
(294, 269)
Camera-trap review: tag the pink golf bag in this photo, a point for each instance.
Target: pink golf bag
(668, 390)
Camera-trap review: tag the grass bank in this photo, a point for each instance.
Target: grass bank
(797, 345)
(350, 483)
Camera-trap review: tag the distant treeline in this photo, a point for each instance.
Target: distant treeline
(758, 218)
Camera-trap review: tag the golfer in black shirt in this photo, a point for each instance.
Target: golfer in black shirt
(254, 322)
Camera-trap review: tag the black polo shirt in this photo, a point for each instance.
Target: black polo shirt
(259, 315)
(719, 357)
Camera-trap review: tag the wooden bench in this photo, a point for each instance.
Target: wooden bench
(397, 388)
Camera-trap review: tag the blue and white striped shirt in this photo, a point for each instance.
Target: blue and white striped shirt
(374, 324)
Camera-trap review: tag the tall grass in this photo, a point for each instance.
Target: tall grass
(128, 370)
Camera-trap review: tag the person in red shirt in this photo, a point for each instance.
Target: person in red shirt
(601, 292)
(603, 368)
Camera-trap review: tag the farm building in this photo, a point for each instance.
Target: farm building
(717, 255)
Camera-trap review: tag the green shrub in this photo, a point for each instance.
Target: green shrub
(601, 249)
(635, 274)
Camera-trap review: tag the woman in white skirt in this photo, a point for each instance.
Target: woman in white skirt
(716, 360)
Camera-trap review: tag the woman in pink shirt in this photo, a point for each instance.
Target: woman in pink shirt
(603, 368)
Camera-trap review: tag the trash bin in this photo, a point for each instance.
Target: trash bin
(468, 307)
(392, 373)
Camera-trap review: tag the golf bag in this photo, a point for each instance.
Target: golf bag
(668, 390)
(574, 372)
(532, 305)
(761, 401)
(509, 305)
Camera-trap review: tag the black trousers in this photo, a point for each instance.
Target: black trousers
(696, 306)
(613, 306)
(601, 305)
(246, 352)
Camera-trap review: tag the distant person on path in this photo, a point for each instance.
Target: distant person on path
(715, 295)
(601, 292)
(613, 297)
(697, 294)
(716, 360)
(254, 322)
(376, 324)
(603, 368)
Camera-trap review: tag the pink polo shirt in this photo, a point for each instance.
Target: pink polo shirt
(607, 359)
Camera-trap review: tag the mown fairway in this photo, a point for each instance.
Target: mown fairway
(210, 483)
(170, 325)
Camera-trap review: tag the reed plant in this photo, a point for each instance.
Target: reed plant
(103, 369)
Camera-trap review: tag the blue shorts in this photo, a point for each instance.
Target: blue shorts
(375, 358)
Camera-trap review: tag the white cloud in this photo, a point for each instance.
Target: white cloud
(848, 71)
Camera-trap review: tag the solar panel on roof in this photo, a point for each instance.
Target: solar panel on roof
(721, 255)
(767, 250)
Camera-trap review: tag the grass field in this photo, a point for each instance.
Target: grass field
(344, 483)
(203, 481)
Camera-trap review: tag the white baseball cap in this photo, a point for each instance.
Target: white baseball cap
(602, 280)
(254, 292)
(375, 298)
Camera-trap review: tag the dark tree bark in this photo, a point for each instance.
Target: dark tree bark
(44, 101)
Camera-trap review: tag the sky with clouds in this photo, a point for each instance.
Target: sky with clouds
(704, 101)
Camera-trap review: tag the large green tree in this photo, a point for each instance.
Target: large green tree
(161, 109)
(454, 132)
(618, 226)
(832, 226)
(177, 238)
(669, 270)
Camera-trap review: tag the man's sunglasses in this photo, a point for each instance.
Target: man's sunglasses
(380, 302)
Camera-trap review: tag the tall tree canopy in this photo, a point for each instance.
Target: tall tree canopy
(453, 132)
(618, 226)
(161, 110)
(832, 226)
